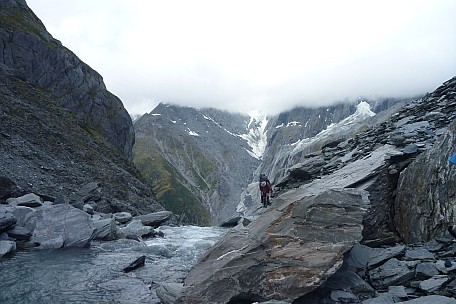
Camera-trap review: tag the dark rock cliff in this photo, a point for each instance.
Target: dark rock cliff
(60, 129)
(36, 57)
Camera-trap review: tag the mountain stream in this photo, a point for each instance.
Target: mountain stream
(95, 274)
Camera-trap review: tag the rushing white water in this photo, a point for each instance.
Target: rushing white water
(95, 275)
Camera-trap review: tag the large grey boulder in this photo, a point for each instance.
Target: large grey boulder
(286, 253)
(60, 226)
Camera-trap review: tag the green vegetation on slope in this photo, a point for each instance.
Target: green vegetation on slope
(167, 183)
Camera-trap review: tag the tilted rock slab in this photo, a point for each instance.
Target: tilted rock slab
(283, 255)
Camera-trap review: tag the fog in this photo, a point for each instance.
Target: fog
(258, 55)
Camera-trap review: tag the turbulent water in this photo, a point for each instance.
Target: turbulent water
(95, 275)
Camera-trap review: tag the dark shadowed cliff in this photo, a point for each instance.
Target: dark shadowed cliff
(59, 127)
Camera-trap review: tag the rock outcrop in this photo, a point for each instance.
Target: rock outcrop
(60, 129)
(34, 56)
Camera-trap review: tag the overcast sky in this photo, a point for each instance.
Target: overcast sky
(265, 55)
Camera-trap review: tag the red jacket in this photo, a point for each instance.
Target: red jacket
(266, 189)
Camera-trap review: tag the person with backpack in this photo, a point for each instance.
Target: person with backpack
(265, 190)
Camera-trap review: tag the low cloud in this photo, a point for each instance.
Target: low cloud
(264, 55)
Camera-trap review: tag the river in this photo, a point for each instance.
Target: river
(95, 274)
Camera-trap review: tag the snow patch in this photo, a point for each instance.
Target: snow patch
(363, 111)
(192, 133)
(256, 136)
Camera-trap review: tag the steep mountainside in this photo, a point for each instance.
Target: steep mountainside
(34, 56)
(202, 161)
(59, 127)
(197, 160)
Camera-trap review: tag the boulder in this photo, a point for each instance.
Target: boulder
(231, 222)
(122, 217)
(59, 226)
(89, 192)
(136, 230)
(20, 233)
(105, 229)
(284, 254)
(7, 220)
(169, 292)
(21, 212)
(154, 219)
(434, 283)
(139, 262)
(29, 200)
(7, 247)
(393, 272)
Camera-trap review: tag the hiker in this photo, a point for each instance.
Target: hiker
(266, 190)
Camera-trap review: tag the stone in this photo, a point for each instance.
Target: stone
(426, 270)
(382, 299)
(136, 230)
(21, 212)
(433, 299)
(20, 233)
(88, 208)
(169, 292)
(231, 222)
(123, 217)
(139, 262)
(7, 247)
(342, 296)
(29, 200)
(105, 229)
(362, 257)
(393, 272)
(419, 254)
(60, 226)
(434, 283)
(397, 291)
(154, 219)
(89, 192)
(445, 266)
(7, 220)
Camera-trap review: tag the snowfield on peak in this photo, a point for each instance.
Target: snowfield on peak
(256, 135)
(363, 111)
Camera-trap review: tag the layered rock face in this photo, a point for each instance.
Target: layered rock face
(425, 204)
(34, 56)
